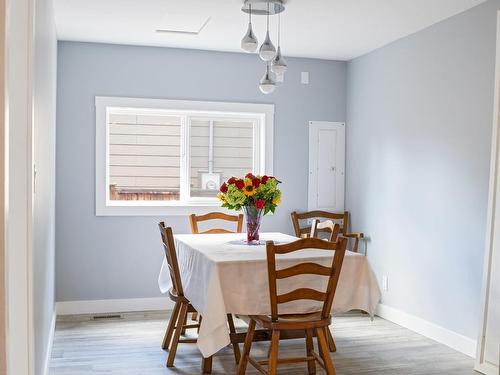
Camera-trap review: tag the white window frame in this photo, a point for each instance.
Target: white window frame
(260, 114)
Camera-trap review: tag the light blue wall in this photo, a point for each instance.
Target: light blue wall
(419, 123)
(119, 257)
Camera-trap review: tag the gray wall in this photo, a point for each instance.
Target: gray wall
(119, 257)
(44, 143)
(418, 152)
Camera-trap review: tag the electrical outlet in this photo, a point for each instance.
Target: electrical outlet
(385, 283)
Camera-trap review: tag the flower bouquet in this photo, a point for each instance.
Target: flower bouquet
(256, 195)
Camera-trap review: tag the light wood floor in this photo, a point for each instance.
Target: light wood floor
(131, 346)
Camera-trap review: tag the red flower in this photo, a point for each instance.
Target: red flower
(240, 184)
(250, 176)
(223, 188)
(255, 182)
(260, 204)
(232, 180)
(264, 179)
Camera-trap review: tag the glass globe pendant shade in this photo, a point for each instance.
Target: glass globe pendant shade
(279, 66)
(249, 42)
(267, 84)
(267, 50)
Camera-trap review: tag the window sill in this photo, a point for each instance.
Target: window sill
(159, 209)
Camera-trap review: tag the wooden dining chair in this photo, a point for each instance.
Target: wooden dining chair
(177, 324)
(195, 219)
(313, 324)
(341, 218)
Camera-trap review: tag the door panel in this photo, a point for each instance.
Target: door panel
(326, 170)
(326, 166)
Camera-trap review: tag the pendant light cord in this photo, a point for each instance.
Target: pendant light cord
(279, 29)
(268, 16)
(250, 13)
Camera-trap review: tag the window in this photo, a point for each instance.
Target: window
(165, 157)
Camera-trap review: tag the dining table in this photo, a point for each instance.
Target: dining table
(223, 274)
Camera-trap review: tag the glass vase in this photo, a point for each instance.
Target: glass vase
(253, 217)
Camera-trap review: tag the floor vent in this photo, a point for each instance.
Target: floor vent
(101, 317)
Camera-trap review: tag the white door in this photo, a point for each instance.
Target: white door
(326, 166)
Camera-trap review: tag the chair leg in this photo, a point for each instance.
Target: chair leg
(331, 342)
(171, 327)
(236, 347)
(184, 322)
(200, 318)
(206, 365)
(177, 334)
(246, 348)
(356, 244)
(273, 359)
(311, 364)
(324, 352)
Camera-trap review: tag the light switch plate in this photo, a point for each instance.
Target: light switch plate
(304, 78)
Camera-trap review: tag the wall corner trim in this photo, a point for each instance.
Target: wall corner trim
(430, 330)
(106, 306)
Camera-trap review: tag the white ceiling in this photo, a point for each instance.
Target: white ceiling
(329, 29)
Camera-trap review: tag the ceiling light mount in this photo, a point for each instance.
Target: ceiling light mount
(263, 7)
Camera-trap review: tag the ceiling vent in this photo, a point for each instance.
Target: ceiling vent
(183, 23)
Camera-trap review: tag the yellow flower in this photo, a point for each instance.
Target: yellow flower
(221, 197)
(249, 189)
(277, 200)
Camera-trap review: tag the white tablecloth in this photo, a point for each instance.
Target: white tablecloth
(220, 275)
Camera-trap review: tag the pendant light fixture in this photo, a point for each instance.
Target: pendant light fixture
(279, 66)
(275, 63)
(267, 50)
(249, 42)
(267, 84)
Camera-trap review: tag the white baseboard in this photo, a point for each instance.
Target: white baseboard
(487, 368)
(106, 306)
(425, 328)
(50, 343)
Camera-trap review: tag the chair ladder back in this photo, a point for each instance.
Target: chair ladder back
(171, 257)
(195, 219)
(301, 269)
(325, 226)
(340, 218)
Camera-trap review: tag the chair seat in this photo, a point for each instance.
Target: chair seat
(293, 321)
